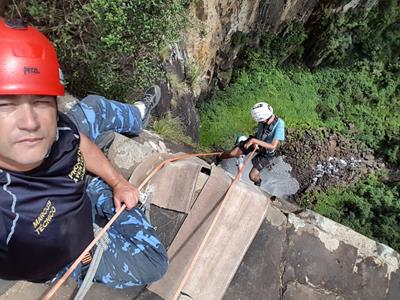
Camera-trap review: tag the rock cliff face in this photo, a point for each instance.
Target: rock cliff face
(220, 30)
(3, 5)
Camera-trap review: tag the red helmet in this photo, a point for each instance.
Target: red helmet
(28, 62)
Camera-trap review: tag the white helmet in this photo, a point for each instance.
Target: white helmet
(261, 112)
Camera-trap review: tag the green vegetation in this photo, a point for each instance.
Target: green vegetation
(366, 97)
(107, 46)
(332, 98)
(369, 207)
(372, 34)
(356, 85)
(361, 86)
(193, 74)
(172, 129)
(292, 93)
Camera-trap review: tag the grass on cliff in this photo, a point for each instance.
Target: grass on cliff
(365, 98)
(292, 94)
(171, 128)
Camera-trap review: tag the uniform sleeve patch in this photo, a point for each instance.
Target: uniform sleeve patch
(78, 171)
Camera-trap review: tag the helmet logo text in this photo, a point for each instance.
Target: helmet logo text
(31, 70)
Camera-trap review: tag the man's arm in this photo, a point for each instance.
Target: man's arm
(98, 164)
(279, 135)
(268, 146)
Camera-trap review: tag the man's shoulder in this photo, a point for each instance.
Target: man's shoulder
(279, 132)
(66, 125)
(65, 121)
(279, 125)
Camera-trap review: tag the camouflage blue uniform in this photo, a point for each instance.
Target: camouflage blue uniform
(134, 256)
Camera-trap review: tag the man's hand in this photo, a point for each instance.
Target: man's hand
(258, 143)
(98, 164)
(124, 192)
(251, 142)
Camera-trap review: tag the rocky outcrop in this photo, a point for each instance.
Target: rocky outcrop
(213, 38)
(320, 159)
(306, 256)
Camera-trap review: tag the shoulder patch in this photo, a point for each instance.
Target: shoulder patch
(78, 171)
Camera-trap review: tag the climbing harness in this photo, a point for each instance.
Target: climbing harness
(265, 130)
(102, 245)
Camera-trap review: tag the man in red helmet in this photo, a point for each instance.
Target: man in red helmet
(46, 206)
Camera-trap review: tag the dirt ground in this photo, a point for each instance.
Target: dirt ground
(322, 159)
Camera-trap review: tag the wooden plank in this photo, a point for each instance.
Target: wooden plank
(174, 185)
(191, 233)
(146, 166)
(227, 245)
(232, 235)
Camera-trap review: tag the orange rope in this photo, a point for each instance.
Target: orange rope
(59, 283)
(219, 211)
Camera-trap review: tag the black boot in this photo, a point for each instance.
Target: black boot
(258, 183)
(217, 160)
(150, 99)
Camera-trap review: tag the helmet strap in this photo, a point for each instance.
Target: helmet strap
(272, 125)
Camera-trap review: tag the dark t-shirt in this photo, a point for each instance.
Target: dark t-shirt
(45, 215)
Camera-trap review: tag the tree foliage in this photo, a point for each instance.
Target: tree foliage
(369, 207)
(106, 46)
(363, 33)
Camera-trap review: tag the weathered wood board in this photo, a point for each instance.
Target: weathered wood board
(239, 221)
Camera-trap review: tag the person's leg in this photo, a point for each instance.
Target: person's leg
(135, 261)
(259, 162)
(255, 176)
(238, 150)
(95, 115)
(135, 255)
(235, 152)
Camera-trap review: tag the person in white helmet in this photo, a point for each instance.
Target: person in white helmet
(270, 131)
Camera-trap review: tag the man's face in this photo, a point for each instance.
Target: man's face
(269, 120)
(28, 125)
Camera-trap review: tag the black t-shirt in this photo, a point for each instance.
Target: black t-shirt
(45, 215)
